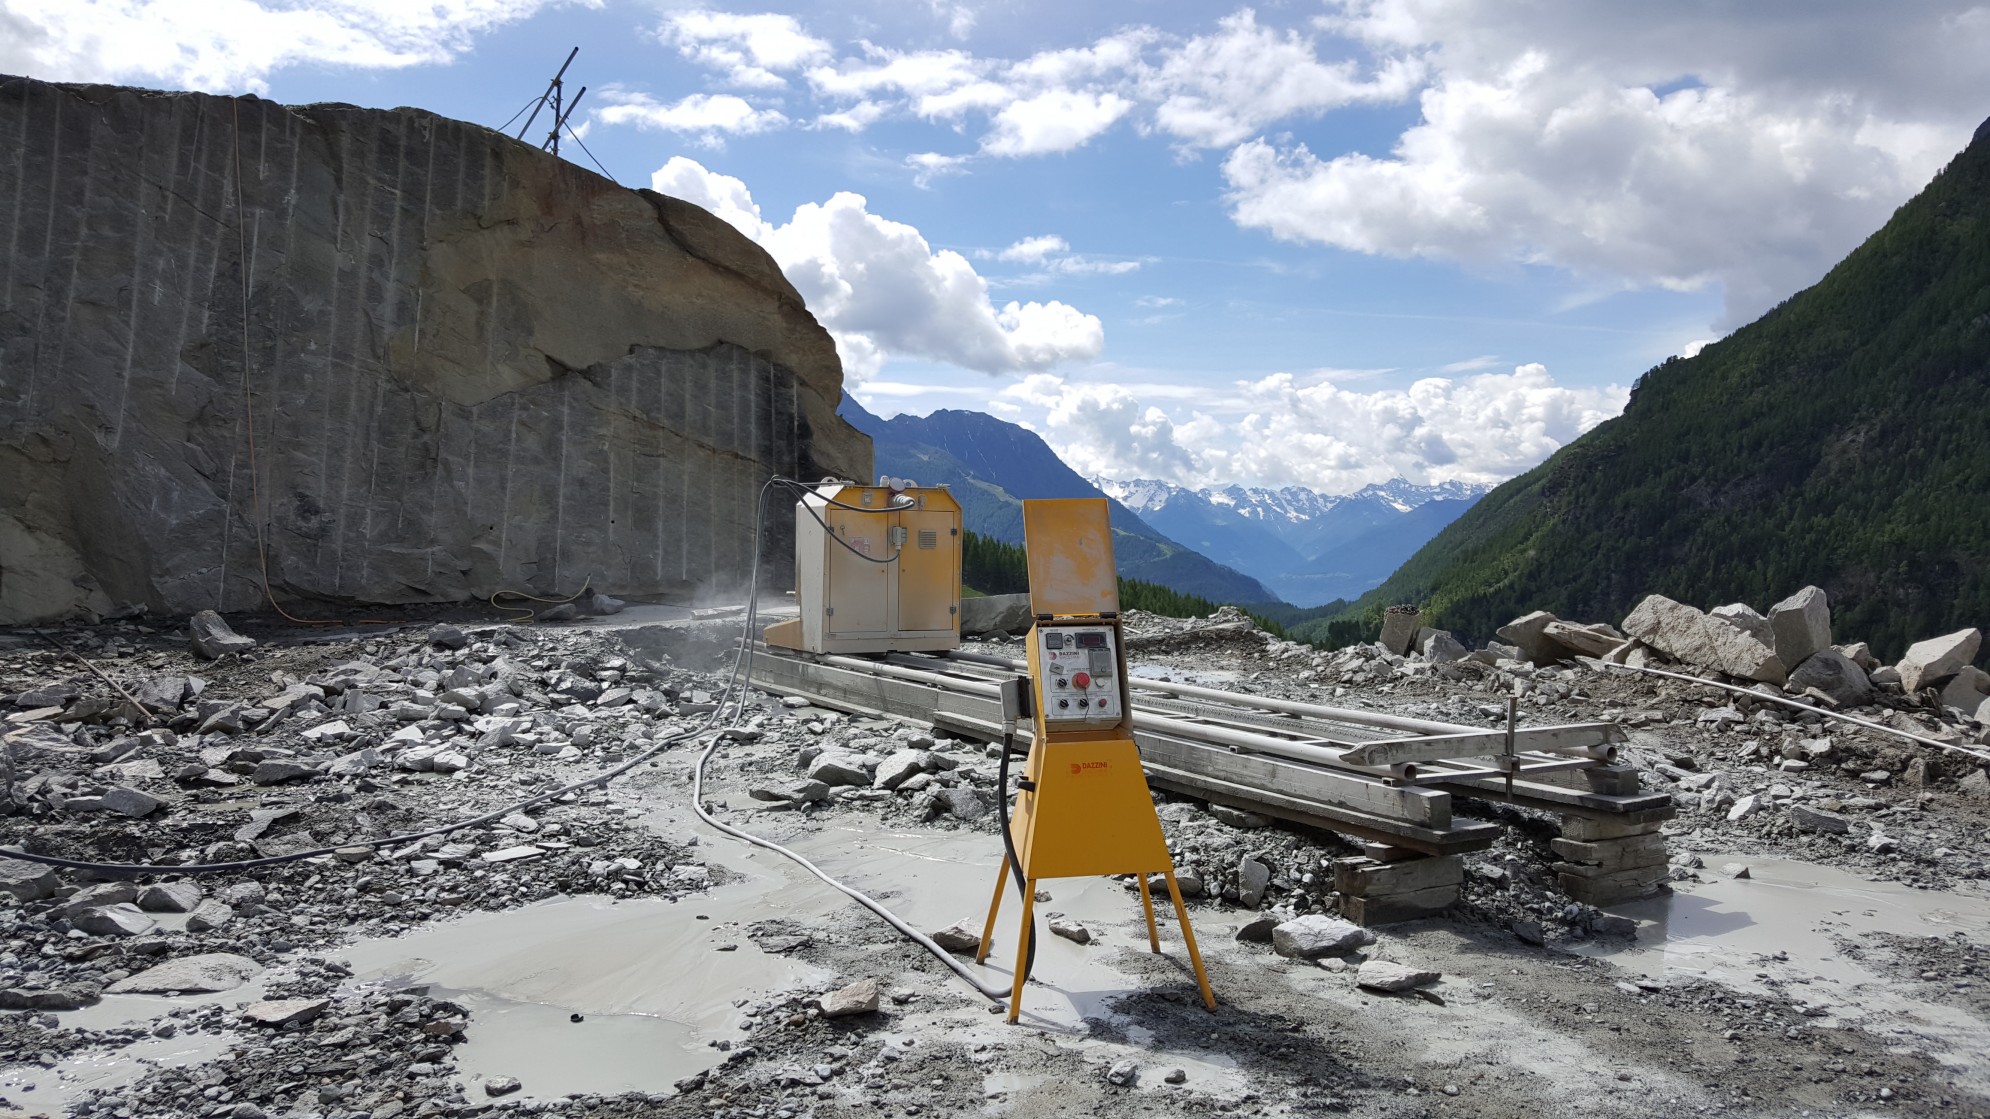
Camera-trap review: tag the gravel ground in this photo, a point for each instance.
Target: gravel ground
(314, 740)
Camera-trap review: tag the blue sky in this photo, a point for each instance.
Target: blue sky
(1320, 243)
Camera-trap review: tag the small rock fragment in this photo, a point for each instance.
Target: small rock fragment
(284, 1012)
(860, 997)
(1387, 975)
(1069, 929)
(213, 639)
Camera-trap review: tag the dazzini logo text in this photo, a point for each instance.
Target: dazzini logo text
(1080, 767)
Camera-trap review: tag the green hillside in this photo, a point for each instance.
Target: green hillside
(1843, 439)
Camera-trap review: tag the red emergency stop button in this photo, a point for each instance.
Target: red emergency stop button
(1083, 680)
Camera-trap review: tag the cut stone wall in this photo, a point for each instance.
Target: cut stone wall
(471, 366)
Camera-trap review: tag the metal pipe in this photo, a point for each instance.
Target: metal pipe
(1341, 714)
(917, 676)
(1979, 755)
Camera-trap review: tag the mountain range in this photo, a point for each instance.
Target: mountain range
(992, 465)
(1841, 440)
(1309, 547)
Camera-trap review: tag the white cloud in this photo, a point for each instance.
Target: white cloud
(1056, 120)
(752, 50)
(927, 166)
(1217, 89)
(710, 115)
(1035, 249)
(1311, 431)
(1053, 256)
(882, 291)
(234, 45)
(1769, 155)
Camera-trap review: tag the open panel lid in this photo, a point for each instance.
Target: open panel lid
(1070, 553)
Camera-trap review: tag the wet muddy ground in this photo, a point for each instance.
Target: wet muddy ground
(1823, 984)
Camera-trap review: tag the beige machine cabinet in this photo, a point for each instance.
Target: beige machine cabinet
(851, 604)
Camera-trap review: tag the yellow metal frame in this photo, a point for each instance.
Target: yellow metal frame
(1085, 808)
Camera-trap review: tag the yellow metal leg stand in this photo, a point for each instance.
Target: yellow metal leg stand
(1088, 814)
(1147, 907)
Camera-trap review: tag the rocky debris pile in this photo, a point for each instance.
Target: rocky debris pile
(280, 750)
(1227, 627)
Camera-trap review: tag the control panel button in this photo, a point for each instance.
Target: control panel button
(1063, 703)
(1084, 703)
(1083, 680)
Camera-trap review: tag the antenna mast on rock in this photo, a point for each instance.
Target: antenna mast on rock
(555, 93)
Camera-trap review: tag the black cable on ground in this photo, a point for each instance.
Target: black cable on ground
(1009, 848)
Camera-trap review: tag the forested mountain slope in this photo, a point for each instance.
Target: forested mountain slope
(1843, 439)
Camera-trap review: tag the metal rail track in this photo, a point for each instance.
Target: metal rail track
(1372, 775)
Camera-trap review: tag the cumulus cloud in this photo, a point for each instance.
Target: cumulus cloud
(234, 45)
(882, 290)
(1216, 89)
(752, 50)
(1310, 431)
(709, 116)
(1650, 145)
(1055, 120)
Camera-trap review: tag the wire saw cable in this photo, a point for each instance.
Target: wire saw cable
(1979, 755)
(743, 671)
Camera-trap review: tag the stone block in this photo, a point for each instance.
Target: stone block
(1723, 643)
(1836, 675)
(1528, 633)
(1399, 628)
(1934, 661)
(1800, 626)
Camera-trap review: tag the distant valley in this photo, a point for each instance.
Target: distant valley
(1308, 547)
(1236, 544)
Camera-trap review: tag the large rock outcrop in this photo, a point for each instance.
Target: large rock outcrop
(470, 366)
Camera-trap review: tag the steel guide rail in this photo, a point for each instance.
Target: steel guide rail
(1369, 774)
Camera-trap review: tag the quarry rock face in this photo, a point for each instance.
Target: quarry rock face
(418, 360)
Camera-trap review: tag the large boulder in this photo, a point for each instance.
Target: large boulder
(437, 317)
(1834, 674)
(1718, 643)
(1932, 662)
(1801, 625)
(1529, 633)
(996, 613)
(1590, 641)
(1967, 689)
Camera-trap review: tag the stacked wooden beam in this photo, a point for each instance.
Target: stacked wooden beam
(1610, 861)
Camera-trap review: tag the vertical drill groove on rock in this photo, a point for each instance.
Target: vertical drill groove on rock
(470, 366)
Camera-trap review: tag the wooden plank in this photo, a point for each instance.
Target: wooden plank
(1427, 807)
(1461, 837)
(1569, 738)
(1614, 854)
(1362, 877)
(1387, 909)
(1589, 830)
(1552, 798)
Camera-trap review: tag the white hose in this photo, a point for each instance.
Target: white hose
(1979, 755)
(739, 684)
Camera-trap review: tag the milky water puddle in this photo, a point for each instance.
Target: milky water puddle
(1778, 931)
(646, 977)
